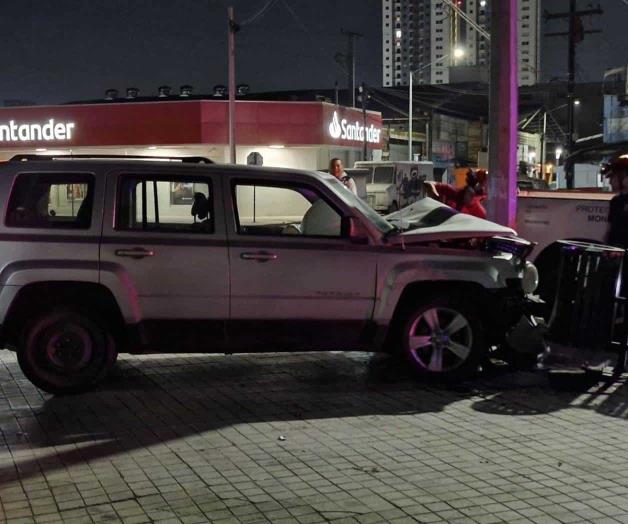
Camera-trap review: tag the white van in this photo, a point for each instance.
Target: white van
(393, 185)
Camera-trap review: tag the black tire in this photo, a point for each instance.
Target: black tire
(63, 351)
(453, 343)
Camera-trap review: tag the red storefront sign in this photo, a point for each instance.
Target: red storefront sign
(187, 122)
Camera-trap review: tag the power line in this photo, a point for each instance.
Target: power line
(296, 18)
(260, 13)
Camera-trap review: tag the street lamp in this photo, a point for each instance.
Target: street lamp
(557, 153)
(458, 53)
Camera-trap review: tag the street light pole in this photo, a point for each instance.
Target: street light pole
(458, 52)
(233, 28)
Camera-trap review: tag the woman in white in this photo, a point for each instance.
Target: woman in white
(336, 169)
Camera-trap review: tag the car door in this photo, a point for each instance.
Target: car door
(164, 250)
(296, 283)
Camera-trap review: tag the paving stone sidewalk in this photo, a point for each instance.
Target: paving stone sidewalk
(306, 438)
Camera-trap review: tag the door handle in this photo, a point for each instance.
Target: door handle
(136, 252)
(260, 256)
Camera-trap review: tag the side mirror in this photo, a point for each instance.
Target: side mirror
(353, 229)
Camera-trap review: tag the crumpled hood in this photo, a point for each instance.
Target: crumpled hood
(428, 219)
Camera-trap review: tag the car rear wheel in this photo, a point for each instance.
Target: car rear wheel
(444, 338)
(64, 351)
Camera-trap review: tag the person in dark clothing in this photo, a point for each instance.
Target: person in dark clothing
(617, 232)
(617, 235)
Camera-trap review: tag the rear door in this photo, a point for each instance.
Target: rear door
(164, 249)
(52, 221)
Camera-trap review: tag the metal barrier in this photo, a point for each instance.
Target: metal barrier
(588, 309)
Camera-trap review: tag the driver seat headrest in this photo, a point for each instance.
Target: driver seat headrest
(200, 206)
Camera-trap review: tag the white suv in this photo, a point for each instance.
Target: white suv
(102, 256)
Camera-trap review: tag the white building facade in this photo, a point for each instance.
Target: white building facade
(431, 38)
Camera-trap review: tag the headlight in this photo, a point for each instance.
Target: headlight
(530, 279)
(514, 245)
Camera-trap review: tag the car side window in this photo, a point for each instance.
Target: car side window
(269, 209)
(165, 204)
(51, 200)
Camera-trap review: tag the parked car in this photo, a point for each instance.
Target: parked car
(104, 256)
(393, 185)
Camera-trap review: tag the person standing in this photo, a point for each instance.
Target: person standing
(617, 235)
(617, 231)
(336, 168)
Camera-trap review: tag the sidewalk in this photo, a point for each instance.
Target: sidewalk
(309, 438)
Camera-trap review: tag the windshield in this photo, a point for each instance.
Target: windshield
(350, 199)
(383, 175)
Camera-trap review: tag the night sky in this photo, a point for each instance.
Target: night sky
(55, 51)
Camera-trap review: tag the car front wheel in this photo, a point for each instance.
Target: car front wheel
(444, 338)
(65, 351)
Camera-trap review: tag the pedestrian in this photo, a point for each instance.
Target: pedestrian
(617, 235)
(336, 169)
(617, 230)
(465, 199)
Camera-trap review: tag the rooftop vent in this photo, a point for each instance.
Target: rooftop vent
(111, 94)
(163, 91)
(220, 90)
(132, 92)
(185, 91)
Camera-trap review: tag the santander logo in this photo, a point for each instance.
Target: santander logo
(334, 127)
(354, 132)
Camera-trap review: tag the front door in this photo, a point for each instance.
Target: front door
(165, 250)
(296, 283)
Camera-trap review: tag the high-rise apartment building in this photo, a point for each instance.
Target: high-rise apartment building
(430, 37)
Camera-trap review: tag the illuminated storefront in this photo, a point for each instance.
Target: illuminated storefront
(287, 134)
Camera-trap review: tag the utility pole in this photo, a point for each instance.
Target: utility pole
(350, 61)
(233, 28)
(428, 135)
(503, 97)
(575, 35)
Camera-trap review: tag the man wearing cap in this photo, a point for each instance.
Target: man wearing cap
(617, 232)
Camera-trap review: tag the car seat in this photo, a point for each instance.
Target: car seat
(84, 213)
(321, 220)
(200, 209)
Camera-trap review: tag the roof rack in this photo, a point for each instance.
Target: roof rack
(183, 159)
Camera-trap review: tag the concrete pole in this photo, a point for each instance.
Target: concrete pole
(232, 85)
(410, 119)
(503, 93)
(571, 68)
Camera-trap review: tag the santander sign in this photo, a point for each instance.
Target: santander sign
(355, 132)
(50, 130)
